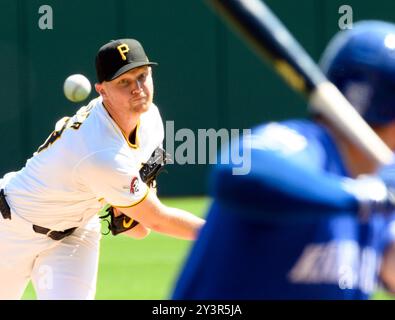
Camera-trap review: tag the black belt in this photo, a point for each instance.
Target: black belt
(55, 235)
(4, 208)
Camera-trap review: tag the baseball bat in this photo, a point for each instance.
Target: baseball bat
(272, 41)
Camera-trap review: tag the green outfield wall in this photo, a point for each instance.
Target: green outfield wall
(206, 78)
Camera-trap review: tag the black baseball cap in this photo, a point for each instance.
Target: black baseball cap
(118, 57)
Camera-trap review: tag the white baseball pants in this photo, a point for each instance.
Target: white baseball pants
(65, 269)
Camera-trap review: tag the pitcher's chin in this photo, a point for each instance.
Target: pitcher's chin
(141, 107)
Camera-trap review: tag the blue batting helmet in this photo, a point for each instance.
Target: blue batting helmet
(361, 63)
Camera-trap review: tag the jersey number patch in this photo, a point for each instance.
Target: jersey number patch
(66, 122)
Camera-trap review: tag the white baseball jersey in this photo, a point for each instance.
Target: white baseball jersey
(86, 159)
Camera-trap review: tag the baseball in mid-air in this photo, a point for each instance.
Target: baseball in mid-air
(77, 87)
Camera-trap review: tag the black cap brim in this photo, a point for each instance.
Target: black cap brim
(131, 66)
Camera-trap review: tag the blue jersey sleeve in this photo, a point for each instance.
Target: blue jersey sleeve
(279, 183)
(289, 226)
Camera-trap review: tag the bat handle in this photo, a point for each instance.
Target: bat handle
(327, 100)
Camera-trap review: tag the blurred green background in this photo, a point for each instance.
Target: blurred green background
(141, 269)
(206, 78)
(147, 269)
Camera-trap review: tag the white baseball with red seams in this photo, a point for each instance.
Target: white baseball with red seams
(77, 87)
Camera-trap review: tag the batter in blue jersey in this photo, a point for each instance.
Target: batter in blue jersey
(313, 217)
